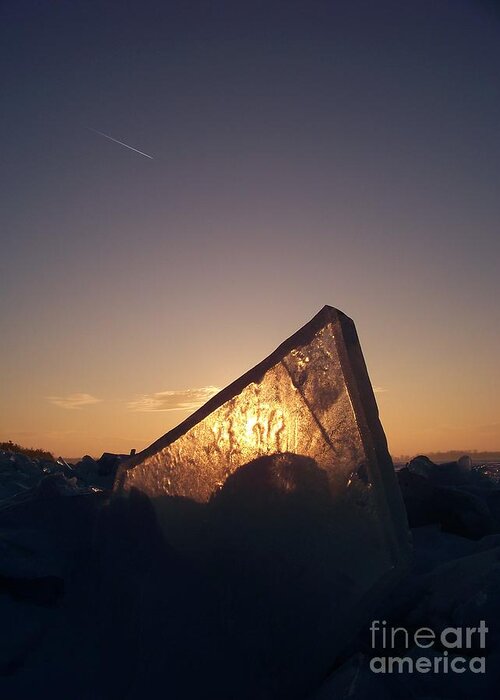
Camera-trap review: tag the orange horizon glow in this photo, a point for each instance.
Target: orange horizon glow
(81, 423)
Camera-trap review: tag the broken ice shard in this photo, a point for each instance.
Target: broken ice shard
(281, 492)
(311, 397)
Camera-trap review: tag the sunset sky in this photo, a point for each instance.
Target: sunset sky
(302, 154)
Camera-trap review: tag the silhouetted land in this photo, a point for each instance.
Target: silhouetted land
(32, 452)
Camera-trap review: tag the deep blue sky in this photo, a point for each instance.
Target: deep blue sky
(304, 153)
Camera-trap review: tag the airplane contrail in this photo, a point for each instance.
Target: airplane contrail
(106, 136)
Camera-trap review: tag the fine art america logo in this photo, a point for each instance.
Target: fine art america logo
(453, 650)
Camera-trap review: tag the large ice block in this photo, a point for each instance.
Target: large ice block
(311, 396)
(282, 484)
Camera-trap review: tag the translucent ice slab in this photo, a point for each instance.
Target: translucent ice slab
(291, 492)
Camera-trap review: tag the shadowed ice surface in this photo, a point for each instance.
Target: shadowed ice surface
(280, 492)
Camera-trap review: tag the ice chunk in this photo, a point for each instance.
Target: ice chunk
(282, 484)
(310, 397)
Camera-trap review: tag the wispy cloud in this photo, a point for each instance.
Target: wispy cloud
(73, 401)
(184, 400)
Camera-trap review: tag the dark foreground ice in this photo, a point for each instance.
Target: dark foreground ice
(85, 617)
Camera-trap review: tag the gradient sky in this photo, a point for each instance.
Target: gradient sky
(304, 153)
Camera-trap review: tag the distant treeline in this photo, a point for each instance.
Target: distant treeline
(453, 455)
(32, 452)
